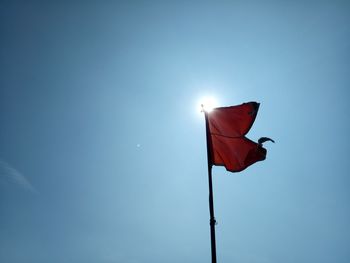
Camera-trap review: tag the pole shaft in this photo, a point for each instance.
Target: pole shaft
(211, 196)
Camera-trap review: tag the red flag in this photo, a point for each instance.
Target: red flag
(228, 145)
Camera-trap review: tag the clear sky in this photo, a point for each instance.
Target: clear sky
(103, 155)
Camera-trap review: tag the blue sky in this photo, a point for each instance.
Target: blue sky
(102, 152)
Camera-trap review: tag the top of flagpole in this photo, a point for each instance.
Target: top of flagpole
(202, 108)
(207, 103)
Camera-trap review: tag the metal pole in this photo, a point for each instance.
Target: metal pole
(211, 199)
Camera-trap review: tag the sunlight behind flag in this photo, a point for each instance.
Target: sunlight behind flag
(207, 103)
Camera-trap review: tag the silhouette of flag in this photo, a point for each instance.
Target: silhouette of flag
(228, 145)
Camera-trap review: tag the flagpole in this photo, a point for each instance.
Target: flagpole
(211, 198)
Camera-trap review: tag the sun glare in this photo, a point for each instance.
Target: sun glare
(207, 104)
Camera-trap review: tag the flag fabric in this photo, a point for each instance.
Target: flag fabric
(228, 145)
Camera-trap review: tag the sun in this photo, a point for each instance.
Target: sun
(207, 103)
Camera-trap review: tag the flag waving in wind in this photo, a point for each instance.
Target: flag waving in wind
(228, 145)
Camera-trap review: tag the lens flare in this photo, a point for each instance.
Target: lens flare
(207, 103)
